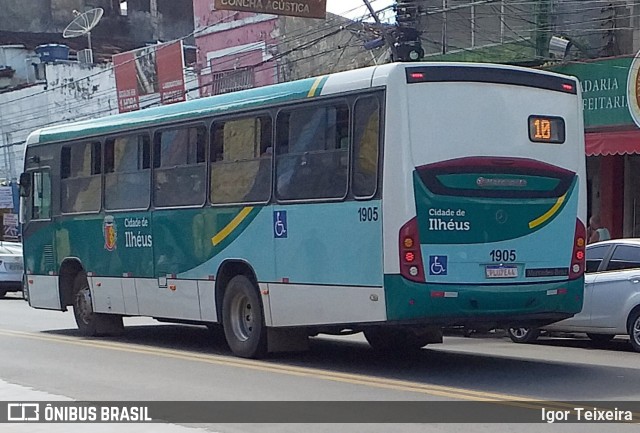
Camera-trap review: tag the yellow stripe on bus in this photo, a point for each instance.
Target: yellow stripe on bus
(315, 86)
(544, 218)
(235, 222)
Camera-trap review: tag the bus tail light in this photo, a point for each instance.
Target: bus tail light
(578, 256)
(411, 266)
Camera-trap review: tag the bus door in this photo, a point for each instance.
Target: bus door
(38, 229)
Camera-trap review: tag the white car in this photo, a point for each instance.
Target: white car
(611, 296)
(11, 267)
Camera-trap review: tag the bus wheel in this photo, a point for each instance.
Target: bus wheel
(396, 339)
(89, 323)
(523, 335)
(3, 293)
(243, 320)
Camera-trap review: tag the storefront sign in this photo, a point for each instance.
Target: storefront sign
(604, 91)
(296, 8)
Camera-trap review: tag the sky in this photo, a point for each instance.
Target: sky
(355, 8)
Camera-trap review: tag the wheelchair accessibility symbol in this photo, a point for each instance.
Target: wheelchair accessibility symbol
(280, 224)
(437, 265)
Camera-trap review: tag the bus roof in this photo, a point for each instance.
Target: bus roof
(183, 111)
(230, 102)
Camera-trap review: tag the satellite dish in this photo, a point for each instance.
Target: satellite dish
(83, 23)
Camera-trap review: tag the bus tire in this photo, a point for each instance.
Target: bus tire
(634, 330)
(395, 339)
(3, 293)
(89, 323)
(243, 319)
(523, 334)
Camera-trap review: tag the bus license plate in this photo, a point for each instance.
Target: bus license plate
(492, 271)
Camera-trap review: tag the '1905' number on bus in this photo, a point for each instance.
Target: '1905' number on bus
(368, 214)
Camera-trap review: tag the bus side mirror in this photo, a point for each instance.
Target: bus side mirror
(25, 185)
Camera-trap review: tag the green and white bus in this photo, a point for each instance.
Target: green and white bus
(393, 200)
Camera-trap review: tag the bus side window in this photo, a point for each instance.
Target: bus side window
(366, 147)
(80, 173)
(241, 152)
(180, 167)
(127, 178)
(313, 151)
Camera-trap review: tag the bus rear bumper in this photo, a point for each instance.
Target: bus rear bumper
(505, 305)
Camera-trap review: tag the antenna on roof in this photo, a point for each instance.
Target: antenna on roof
(83, 23)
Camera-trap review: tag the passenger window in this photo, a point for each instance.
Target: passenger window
(594, 256)
(312, 154)
(80, 173)
(624, 257)
(366, 147)
(241, 155)
(180, 167)
(127, 166)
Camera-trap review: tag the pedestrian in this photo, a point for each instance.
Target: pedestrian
(597, 232)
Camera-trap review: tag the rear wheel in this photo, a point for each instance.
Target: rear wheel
(396, 339)
(634, 331)
(523, 335)
(243, 319)
(600, 338)
(89, 323)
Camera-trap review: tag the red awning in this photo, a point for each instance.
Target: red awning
(613, 142)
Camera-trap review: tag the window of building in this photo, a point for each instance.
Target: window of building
(312, 152)
(80, 173)
(127, 166)
(180, 168)
(366, 147)
(232, 80)
(241, 154)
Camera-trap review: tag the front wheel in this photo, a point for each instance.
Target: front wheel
(523, 335)
(634, 331)
(243, 319)
(89, 323)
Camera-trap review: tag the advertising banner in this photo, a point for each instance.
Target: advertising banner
(148, 73)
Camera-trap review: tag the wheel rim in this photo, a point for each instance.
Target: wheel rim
(83, 307)
(636, 331)
(242, 317)
(519, 332)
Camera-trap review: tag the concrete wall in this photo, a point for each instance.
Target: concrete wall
(71, 92)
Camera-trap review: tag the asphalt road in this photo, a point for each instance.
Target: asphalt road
(42, 351)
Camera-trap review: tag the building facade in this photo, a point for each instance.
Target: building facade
(610, 97)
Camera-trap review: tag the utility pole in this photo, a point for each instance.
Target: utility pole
(404, 40)
(543, 28)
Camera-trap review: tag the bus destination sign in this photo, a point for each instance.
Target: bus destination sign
(295, 8)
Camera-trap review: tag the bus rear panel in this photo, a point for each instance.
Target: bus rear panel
(493, 182)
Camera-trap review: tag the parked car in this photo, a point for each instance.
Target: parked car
(611, 296)
(11, 267)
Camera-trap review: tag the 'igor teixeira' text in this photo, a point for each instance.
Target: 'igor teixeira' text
(582, 414)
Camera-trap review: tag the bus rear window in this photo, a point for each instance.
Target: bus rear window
(496, 177)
